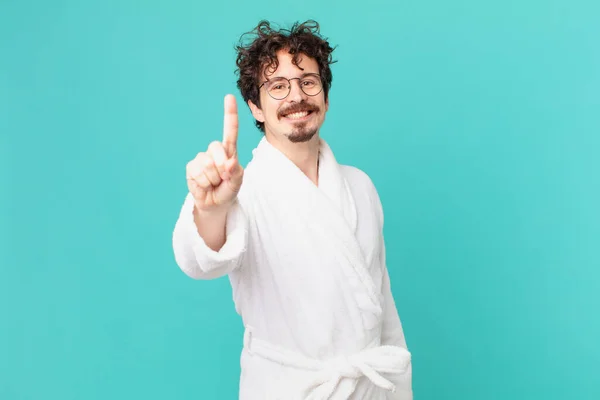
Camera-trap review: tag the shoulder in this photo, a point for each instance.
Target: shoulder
(361, 184)
(357, 177)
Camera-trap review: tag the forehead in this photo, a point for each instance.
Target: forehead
(287, 69)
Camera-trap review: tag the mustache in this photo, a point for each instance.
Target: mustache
(297, 107)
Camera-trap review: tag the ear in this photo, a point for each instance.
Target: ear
(256, 112)
(327, 104)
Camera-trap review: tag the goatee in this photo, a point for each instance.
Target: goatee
(301, 135)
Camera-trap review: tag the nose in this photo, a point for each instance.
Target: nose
(296, 94)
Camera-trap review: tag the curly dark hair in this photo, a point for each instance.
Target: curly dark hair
(261, 52)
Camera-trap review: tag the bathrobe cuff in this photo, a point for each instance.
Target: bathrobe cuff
(229, 257)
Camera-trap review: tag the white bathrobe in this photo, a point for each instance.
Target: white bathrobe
(310, 282)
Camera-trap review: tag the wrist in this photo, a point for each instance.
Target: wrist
(213, 212)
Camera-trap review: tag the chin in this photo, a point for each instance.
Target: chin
(302, 136)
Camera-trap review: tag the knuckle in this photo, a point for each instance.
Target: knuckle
(194, 165)
(202, 182)
(205, 160)
(191, 168)
(208, 163)
(215, 146)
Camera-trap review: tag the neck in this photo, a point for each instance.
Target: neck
(304, 155)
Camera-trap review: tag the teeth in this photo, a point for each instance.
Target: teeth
(297, 115)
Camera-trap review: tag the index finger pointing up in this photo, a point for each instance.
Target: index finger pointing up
(230, 126)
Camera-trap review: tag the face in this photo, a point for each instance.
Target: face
(299, 116)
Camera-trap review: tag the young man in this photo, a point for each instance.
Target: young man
(299, 235)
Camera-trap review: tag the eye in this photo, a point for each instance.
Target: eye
(279, 85)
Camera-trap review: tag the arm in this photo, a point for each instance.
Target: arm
(195, 256)
(392, 333)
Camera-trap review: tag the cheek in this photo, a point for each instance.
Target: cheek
(323, 104)
(270, 111)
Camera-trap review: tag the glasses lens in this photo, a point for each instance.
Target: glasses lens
(311, 85)
(278, 88)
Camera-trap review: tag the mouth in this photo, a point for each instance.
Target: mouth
(298, 116)
(300, 112)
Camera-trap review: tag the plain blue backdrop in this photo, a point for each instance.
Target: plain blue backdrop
(478, 121)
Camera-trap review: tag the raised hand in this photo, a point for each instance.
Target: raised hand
(215, 177)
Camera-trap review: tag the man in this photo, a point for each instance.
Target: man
(300, 237)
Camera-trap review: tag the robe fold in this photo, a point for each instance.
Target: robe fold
(310, 282)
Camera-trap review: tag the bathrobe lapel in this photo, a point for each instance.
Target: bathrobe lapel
(321, 215)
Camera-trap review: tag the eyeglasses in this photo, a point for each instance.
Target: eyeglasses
(279, 88)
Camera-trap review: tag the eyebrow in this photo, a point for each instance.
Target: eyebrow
(301, 76)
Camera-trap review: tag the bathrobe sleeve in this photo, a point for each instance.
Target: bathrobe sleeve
(199, 261)
(392, 333)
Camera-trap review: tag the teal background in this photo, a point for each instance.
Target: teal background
(478, 121)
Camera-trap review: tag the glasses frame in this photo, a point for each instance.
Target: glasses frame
(290, 85)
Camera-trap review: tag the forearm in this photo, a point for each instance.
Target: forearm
(193, 254)
(211, 227)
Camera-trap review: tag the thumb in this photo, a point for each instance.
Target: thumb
(235, 171)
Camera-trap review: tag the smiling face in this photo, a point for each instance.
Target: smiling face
(299, 116)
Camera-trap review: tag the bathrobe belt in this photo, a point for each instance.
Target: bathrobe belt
(370, 363)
